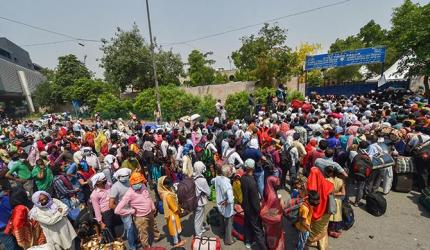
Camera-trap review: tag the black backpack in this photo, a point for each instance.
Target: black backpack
(286, 160)
(187, 195)
(376, 204)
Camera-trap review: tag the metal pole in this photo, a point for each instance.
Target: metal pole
(154, 66)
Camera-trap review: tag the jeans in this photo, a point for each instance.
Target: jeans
(303, 238)
(129, 231)
(259, 178)
(360, 186)
(8, 242)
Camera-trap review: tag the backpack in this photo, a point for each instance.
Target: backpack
(376, 204)
(291, 210)
(219, 139)
(187, 195)
(224, 159)
(425, 198)
(362, 165)
(286, 160)
(198, 149)
(348, 218)
(207, 157)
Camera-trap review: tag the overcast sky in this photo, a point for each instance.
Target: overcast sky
(180, 20)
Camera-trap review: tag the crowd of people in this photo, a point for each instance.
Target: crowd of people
(64, 180)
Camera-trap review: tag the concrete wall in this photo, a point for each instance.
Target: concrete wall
(221, 91)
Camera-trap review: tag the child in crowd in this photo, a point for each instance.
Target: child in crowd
(305, 216)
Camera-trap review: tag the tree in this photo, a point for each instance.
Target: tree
(111, 107)
(348, 73)
(70, 69)
(313, 77)
(266, 56)
(200, 71)
(411, 30)
(87, 91)
(169, 67)
(127, 62)
(237, 105)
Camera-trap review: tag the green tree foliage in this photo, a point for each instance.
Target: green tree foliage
(236, 105)
(260, 94)
(111, 107)
(87, 91)
(70, 69)
(200, 71)
(61, 81)
(266, 56)
(349, 73)
(206, 107)
(220, 78)
(411, 30)
(127, 62)
(175, 103)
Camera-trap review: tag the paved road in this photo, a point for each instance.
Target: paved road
(405, 225)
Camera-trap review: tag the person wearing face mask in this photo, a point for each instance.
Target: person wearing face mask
(83, 175)
(131, 162)
(117, 193)
(138, 203)
(100, 201)
(52, 217)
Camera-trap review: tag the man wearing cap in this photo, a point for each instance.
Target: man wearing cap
(141, 207)
(117, 192)
(251, 207)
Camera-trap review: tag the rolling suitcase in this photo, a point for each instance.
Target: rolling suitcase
(403, 182)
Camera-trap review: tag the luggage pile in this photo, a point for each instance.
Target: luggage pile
(404, 170)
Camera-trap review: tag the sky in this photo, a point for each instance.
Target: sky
(180, 20)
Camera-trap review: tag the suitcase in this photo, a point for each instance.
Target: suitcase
(403, 182)
(239, 223)
(376, 204)
(205, 243)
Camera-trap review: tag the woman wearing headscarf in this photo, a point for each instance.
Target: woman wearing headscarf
(52, 216)
(202, 192)
(27, 232)
(271, 215)
(320, 217)
(171, 210)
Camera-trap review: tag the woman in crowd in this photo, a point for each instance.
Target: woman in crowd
(26, 231)
(271, 215)
(320, 217)
(171, 210)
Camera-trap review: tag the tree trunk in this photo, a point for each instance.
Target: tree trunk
(427, 88)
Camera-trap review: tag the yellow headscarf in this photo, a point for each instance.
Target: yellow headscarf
(164, 192)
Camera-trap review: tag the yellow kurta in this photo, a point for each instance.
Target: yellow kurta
(337, 183)
(172, 215)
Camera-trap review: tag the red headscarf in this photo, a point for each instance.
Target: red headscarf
(317, 182)
(271, 212)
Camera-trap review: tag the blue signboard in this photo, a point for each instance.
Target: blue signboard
(346, 58)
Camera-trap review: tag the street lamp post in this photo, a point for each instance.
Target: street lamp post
(154, 66)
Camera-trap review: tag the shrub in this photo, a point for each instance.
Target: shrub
(206, 107)
(175, 103)
(237, 105)
(295, 95)
(111, 107)
(262, 93)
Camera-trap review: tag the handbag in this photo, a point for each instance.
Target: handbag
(108, 242)
(382, 160)
(331, 206)
(205, 243)
(404, 165)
